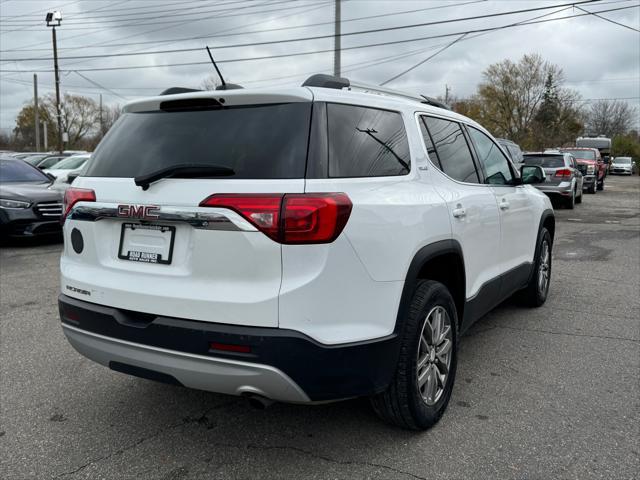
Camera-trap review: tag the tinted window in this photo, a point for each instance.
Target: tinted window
(453, 150)
(496, 165)
(49, 162)
(34, 159)
(18, 171)
(366, 142)
(585, 154)
(70, 163)
(548, 161)
(428, 143)
(260, 141)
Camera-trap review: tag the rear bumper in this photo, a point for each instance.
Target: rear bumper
(283, 365)
(563, 188)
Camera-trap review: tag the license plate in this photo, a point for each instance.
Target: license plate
(146, 243)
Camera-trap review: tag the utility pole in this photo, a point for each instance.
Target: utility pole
(337, 47)
(36, 112)
(101, 127)
(53, 20)
(46, 138)
(446, 94)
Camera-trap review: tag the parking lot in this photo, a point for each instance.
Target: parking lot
(546, 393)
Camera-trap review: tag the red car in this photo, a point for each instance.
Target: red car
(593, 168)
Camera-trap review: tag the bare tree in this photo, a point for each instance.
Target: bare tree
(110, 114)
(610, 118)
(513, 92)
(210, 82)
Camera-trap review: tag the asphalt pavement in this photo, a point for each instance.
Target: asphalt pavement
(547, 393)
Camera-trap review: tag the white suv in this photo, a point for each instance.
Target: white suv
(302, 245)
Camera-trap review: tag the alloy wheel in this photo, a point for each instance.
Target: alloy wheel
(544, 268)
(434, 355)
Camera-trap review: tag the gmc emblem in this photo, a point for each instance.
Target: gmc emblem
(143, 212)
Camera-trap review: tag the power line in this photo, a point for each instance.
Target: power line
(248, 32)
(127, 25)
(82, 17)
(608, 19)
(316, 37)
(461, 38)
(98, 85)
(286, 55)
(425, 60)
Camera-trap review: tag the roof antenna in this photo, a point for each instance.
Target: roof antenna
(223, 83)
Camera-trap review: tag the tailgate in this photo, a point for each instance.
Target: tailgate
(191, 262)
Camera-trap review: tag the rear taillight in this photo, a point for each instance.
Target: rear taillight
(73, 196)
(291, 218)
(563, 173)
(262, 210)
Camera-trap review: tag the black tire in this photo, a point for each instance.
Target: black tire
(532, 295)
(592, 188)
(402, 404)
(570, 203)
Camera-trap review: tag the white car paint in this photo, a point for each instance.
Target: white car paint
(345, 291)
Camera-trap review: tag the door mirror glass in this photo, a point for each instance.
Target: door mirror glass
(532, 174)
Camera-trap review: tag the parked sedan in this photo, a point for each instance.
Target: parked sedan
(622, 165)
(28, 206)
(50, 161)
(564, 180)
(73, 164)
(36, 158)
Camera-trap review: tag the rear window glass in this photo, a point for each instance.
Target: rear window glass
(544, 161)
(366, 142)
(585, 154)
(257, 142)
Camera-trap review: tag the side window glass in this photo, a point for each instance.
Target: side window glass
(453, 151)
(428, 143)
(366, 142)
(495, 163)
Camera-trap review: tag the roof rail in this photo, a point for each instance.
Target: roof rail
(339, 83)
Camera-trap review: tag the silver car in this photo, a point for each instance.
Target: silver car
(564, 179)
(622, 165)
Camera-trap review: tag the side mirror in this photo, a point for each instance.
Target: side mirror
(532, 174)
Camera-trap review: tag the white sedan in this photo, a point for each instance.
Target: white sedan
(64, 168)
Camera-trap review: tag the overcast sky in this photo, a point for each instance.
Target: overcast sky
(600, 59)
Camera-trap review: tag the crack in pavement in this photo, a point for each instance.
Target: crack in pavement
(551, 332)
(325, 458)
(184, 421)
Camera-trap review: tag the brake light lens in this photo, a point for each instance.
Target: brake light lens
(262, 210)
(74, 195)
(563, 173)
(290, 218)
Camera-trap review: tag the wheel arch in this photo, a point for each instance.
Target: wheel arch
(548, 221)
(441, 261)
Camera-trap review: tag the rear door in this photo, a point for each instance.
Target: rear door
(517, 210)
(473, 211)
(156, 250)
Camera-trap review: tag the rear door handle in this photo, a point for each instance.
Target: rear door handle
(504, 205)
(459, 212)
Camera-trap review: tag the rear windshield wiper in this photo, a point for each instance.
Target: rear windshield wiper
(186, 170)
